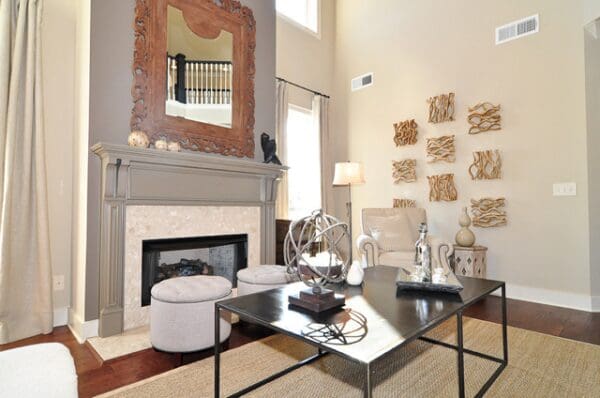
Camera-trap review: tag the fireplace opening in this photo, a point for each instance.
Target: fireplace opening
(222, 255)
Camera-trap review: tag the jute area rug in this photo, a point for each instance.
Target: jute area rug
(539, 366)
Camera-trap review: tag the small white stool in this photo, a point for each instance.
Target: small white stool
(182, 313)
(263, 277)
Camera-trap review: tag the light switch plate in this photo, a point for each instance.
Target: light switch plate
(564, 189)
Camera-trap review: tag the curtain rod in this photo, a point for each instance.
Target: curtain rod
(302, 87)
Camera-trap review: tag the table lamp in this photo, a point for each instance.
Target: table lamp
(349, 173)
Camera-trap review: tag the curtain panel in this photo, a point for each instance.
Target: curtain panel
(321, 109)
(281, 118)
(25, 273)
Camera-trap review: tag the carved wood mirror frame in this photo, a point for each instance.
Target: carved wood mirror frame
(206, 18)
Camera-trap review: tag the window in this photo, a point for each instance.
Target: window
(303, 12)
(304, 161)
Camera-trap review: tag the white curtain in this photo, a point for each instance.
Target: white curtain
(321, 109)
(25, 273)
(281, 210)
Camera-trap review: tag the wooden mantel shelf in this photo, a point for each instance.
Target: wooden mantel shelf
(112, 152)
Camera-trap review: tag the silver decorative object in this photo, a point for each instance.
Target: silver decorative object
(423, 253)
(317, 249)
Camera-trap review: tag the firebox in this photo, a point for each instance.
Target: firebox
(222, 255)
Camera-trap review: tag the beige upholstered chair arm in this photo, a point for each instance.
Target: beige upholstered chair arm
(446, 247)
(368, 249)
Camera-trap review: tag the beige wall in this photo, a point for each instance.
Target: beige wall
(58, 56)
(308, 59)
(592, 91)
(591, 10)
(80, 168)
(305, 58)
(420, 49)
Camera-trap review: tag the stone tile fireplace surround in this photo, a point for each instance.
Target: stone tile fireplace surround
(161, 222)
(152, 194)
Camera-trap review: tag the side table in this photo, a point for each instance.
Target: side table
(469, 261)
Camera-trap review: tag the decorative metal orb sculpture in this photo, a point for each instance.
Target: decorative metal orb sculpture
(317, 248)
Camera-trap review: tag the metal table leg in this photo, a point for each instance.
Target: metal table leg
(217, 350)
(368, 389)
(461, 357)
(504, 326)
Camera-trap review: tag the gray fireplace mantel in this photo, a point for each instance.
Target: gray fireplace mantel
(140, 176)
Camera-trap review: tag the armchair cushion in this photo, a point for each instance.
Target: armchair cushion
(404, 259)
(392, 233)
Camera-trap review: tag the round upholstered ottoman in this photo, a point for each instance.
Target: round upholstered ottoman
(263, 277)
(182, 313)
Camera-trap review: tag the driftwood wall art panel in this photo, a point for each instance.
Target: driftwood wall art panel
(441, 149)
(441, 187)
(405, 170)
(406, 132)
(441, 108)
(404, 203)
(488, 212)
(487, 165)
(484, 117)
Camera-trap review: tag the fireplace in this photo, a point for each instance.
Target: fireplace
(222, 255)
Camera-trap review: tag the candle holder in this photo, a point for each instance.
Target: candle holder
(317, 248)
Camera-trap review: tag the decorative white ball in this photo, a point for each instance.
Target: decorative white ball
(161, 144)
(138, 139)
(174, 146)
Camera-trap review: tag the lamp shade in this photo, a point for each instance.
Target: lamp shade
(348, 173)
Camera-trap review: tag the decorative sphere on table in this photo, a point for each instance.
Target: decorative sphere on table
(317, 249)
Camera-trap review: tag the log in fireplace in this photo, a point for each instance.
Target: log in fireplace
(222, 255)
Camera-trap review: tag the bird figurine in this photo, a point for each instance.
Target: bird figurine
(269, 147)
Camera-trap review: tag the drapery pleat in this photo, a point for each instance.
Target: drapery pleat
(321, 109)
(25, 271)
(281, 210)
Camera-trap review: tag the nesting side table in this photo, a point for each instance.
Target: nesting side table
(469, 261)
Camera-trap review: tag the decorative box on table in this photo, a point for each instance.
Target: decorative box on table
(469, 261)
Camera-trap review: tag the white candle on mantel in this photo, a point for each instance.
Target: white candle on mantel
(321, 259)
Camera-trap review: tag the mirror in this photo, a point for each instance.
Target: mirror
(193, 74)
(199, 73)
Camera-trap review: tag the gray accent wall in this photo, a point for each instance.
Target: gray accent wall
(111, 56)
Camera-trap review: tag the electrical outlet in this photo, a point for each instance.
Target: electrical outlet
(564, 189)
(58, 282)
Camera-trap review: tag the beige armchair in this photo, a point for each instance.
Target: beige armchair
(389, 235)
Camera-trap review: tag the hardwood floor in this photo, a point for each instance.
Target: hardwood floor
(96, 377)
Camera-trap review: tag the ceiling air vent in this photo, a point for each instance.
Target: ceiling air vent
(361, 82)
(517, 29)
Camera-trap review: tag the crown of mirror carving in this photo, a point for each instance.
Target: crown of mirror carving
(194, 92)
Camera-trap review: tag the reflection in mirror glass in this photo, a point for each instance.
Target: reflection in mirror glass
(199, 73)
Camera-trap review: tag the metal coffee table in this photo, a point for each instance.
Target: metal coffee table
(393, 317)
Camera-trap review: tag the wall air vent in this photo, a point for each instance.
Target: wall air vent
(517, 29)
(361, 82)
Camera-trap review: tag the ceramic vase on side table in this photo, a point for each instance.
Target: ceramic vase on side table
(464, 237)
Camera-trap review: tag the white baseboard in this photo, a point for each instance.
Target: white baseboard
(61, 316)
(582, 302)
(595, 303)
(82, 330)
